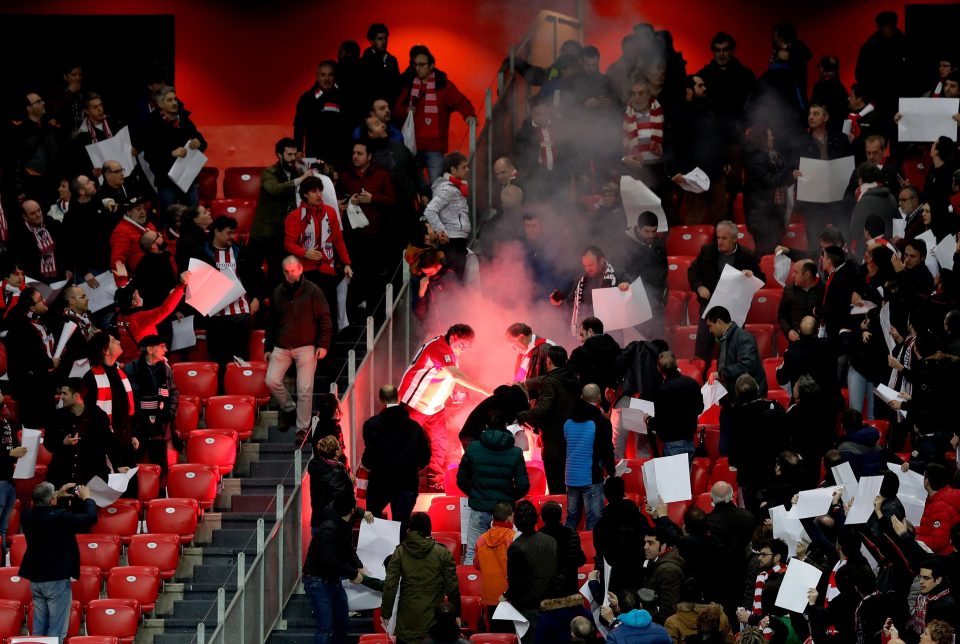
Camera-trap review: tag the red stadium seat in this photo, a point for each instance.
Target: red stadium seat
(450, 487)
(677, 266)
(141, 583)
(705, 502)
(376, 638)
(777, 394)
(493, 638)
(196, 379)
(99, 550)
(675, 312)
(721, 472)
(538, 478)
(676, 510)
(216, 447)
(471, 613)
(450, 541)
(711, 441)
(11, 406)
(767, 267)
(73, 625)
(116, 617)
(738, 213)
(688, 240)
(586, 544)
(24, 487)
(17, 544)
(257, 345)
(633, 476)
(683, 341)
(242, 183)
(250, 380)
(744, 238)
(14, 587)
(13, 523)
(240, 209)
(160, 550)
(691, 368)
(11, 617)
(795, 236)
(121, 520)
(188, 416)
(207, 184)
(237, 412)
(3, 359)
(444, 513)
(763, 333)
(471, 581)
(770, 371)
(174, 515)
(148, 487)
(763, 310)
(93, 639)
(87, 587)
(699, 475)
(194, 481)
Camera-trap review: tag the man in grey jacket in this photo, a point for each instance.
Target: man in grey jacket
(738, 355)
(448, 212)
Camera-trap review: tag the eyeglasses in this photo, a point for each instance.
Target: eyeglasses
(117, 171)
(770, 554)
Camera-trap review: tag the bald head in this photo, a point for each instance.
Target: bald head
(721, 492)
(667, 362)
(292, 269)
(503, 170)
(591, 394)
(389, 395)
(32, 212)
(808, 326)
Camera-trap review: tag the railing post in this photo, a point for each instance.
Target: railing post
(389, 323)
(201, 635)
(352, 397)
(489, 128)
(499, 83)
(221, 604)
(279, 528)
(407, 331)
(241, 591)
(372, 369)
(513, 80)
(473, 177)
(261, 582)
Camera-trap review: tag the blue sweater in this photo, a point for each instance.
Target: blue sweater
(579, 437)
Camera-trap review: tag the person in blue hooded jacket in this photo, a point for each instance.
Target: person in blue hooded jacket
(633, 625)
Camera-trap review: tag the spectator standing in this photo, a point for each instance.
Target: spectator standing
(589, 446)
(168, 134)
(156, 400)
(531, 566)
(10, 451)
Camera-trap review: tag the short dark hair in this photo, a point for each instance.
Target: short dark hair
(525, 516)
(937, 475)
(831, 235)
(464, 331)
(557, 355)
(721, 37)
(593, 250)
(695, 522)
(551, 512)
(862, 91)
(809, 267)
(332, 64)
(518, 328)
(422, 50)
(886, 18)
(777, 547)
(835, 254)
(647, 218)
(453, 160)
(76, 385)
(614, 488)
(868, 172)
(918, 245)
(822, 106)
(890, 485)
(376, 29)
(420, 522)
(502, 510)
(590, 52)
(96, 345)
(308, 184)
(936, 567)
(718, 314)
(223, 222)
(874, 225)
(664, 536)
(283, 144)
(592, 324)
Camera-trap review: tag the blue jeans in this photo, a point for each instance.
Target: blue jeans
(51, 607)
(858, 387)
(433, 162)
(679, 447)
(479, 523)
(8, 496)
(328, 601)
(590, 497)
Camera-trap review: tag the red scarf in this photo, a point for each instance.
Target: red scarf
(172, 120)
(548, 151)
(643, 133)
(761, 582)
(105, 392)
(461, 186)
(92, 130)
(918, 618)
(44, 336)
(854, 118)
(429, 107)
(47, 247)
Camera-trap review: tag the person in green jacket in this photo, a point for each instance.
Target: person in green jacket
(492, 469)
(278, 198)
(429, 573)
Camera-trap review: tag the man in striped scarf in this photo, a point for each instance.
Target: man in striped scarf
(109, 389)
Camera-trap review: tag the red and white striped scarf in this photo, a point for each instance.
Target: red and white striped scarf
(105, 391)
(548, 151)
(47, 248)
(832, 590)
(938, 91)
(45, 336)
(92, 130)
(758, 586)
(643, 133)
(854, 118)
(429, 106)
(174, 120)
(918, 616)
(228, 259)
(523, 361)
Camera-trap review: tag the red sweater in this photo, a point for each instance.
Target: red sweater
(378, 183)
(449, 100)
(125, 244)
(294, 237)
(143, 322)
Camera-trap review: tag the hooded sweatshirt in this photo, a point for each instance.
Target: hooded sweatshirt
(637, 627)
(491, 560)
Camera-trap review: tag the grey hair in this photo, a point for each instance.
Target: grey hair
(44, 493)
(729, 225)
(162, 93)
(725, 497)
(806, 386)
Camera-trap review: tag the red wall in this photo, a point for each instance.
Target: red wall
(241, 65)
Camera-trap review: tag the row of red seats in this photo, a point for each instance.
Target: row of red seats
(687, 240)
(199, 353)
(682, 307)
(108, 621)
(241, 183)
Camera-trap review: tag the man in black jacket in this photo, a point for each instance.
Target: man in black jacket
(531, 564)
(395, 450)
(842, 281)
(320, 127)
(330, 558)
(10, 451)
(53, 556)
(756, 438)
(704, 273)
(168, 134)
(799, 298)
(678, 404)
(733, 527)
(298, 331)
(156, 399)
(811, 356)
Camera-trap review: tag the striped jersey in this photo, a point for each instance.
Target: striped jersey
(227, 259)
(425, 387)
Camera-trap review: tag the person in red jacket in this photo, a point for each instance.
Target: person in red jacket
(125, 238)
(312, 232)
(369, 187)
(432, 97)
(134, 321)
(941, 512)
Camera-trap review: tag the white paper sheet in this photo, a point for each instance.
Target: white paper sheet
(101, 492)
(637, 198)
(622, 468)
(944, 251)
(594, 607)
(185, 170)
(899, 227)
(645, 406)
(183, 334)
(208, 287)
(885, 327)
(863, 309)
(735, 293)
(867, 490)
(79, 368)
(824, 181)
(712, 393)
(359, 597)
(27, 464)
(519, 436)
(377, 541)
(622, 309)
(913, 507)
(781, 268)
(931, 259)
(607, 571)
(670, 476)
(49, 292)
(391, 625)
(887, 394)
(101, 297)
(787, 528)
(696, 181)
(911, 483)
(507, 612)
(116, 148)
(147, 171)
(843, 475)
(231, 296)
(799, 578)
(813, 503)
(67, 331)
(927, 119)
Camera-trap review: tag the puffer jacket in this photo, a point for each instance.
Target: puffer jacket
(448, 210)
(491, 560)
(637, 627)
(555, 617)
(863, 453)
(328, 480)
(939, 516)
(429, 573)
(492, 469)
